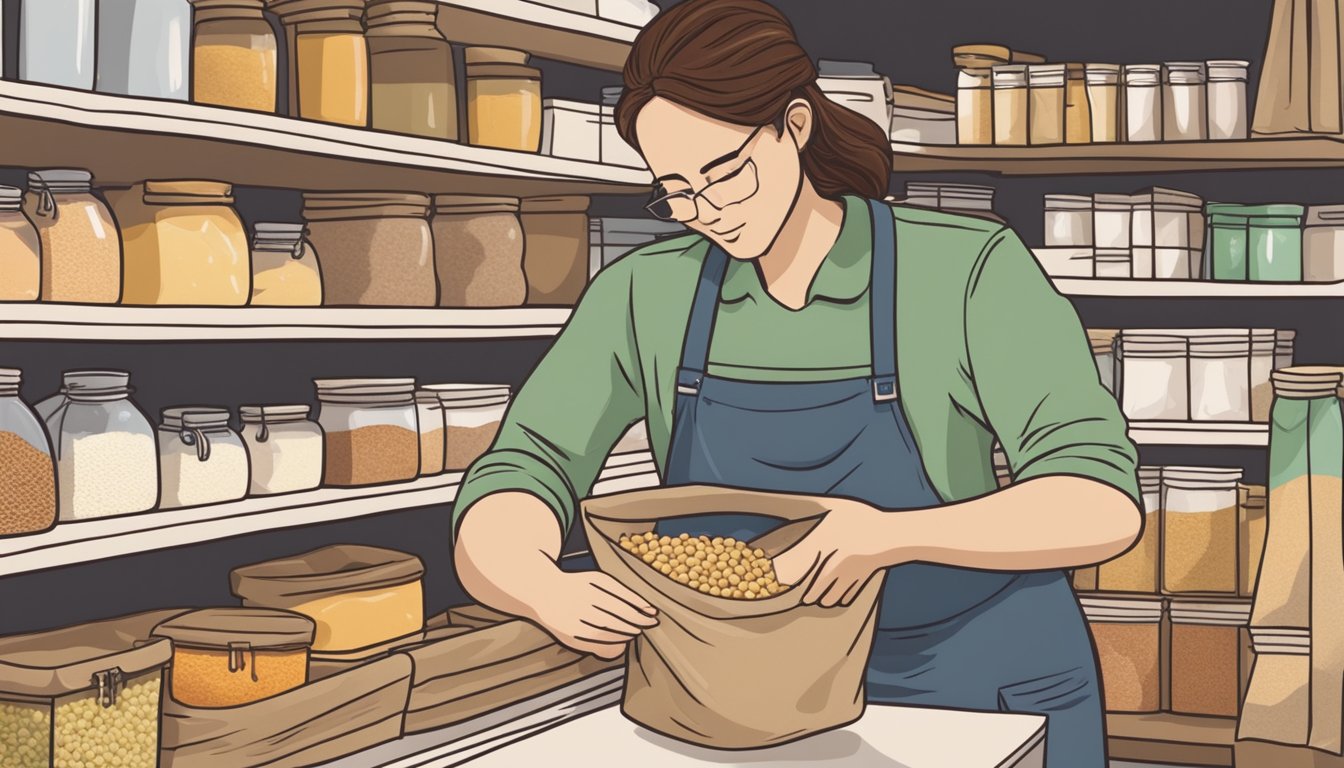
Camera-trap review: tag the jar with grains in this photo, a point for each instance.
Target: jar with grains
(107, 462)
(1199, 530)
(1322, 244)
(285, 448)
(1128, 636)
(1046, 111)
(376, 247)
(1184, 102)
(975, 106)
(1103, 101)
(1227, 99)
(1077, 109)
(1143, 102)
(56, 42)
(1154, 376)
(1210, 656)
(429, 416)
(503, 100)
(556, 232)
(20, 250)
(1137, 569)
(286, 271)
(81, 247)
(1011, 105)
(1068, 221)
(478, 250)
(234, 55)
(185, 244)
(82, 697)
(414, 88)
(201, 460)
(144, 48)
(472, 414)
(228, 657)
(1251, 507)
(371, 430)
(27, 469)
(329, 58)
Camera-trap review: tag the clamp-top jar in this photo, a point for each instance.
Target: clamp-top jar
(20, 250)
(286, 271)
(202, 460)
(284, 447)
(27, 471)
(372, 433)
(81, 247)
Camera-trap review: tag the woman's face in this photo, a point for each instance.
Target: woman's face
(734, 184)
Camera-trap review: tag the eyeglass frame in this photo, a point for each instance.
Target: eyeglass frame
(695, 197)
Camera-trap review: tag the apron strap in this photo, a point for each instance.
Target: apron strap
(700, 329)
(882, 302)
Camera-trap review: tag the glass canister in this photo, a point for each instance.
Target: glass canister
(1154, 376)
(286, 271)
(376, 248)
(1103, 101)
(1113, 221)
(1274, 243)
(1210, 656)
(411, 65)
(27, 469)
(234, 55)
(975, 91)
(185, 245)
(1184, 102)
(81, 247)
(1068, 221)
(503, 100)
(1128, 636)
(107, 462)
(1322, 243)
(20, 250)
(329, 58)
(1143, 102)
(1077, 108)
(56, 42)
(556, 232)
(144, 48)
(1137, 569)
(429, 415)
(1199, 530)
(1045, 84)
(478, 251)
(1228, 231)
(201, 460)
(1167, 234)
(1227, 99)
(472, 414)
(284, 447)
(371, 429)
(1220, 375)
(1010, 105)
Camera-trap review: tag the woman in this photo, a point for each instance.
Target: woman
(808, 338)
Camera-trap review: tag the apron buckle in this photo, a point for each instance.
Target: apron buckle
(884, 389)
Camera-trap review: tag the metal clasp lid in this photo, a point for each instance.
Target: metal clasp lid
(198, 438)
(109, 682)
(884, 389)
(239, 655)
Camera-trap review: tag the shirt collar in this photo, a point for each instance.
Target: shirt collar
(844, 275)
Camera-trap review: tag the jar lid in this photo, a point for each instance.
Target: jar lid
(1231, 614)
(60, 180)
(458, 391)
(380, 12)
(222, 628)
(458, 204)
(1068, 202)
(1010, 75)
(10, 377)
(1101, 340)
(1153, 346)
(96, 379)
(278, 230)
(274, 413)
(491, 401)
(1223, 70)
(1202, 478)
(63, 661)
(323, 206)
(338, 569)
(1307, 381)
(209, 189)
(611, 94)
(491, 55)
(1143, 74)
(427, 397)
(1167, 199)
(10, 195)
(1122, 610)
(509, 71)
(566, 204)
(369, 391)
(1112, 202)
(1046, 74)
(195, 417)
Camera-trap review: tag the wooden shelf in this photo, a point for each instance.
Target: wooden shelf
(550, 33)
(123, 140)
(1097, 159)
(1202, 433)
(1195, 289)
(1172, 739)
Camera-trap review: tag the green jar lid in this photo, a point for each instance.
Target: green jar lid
(1256, 211)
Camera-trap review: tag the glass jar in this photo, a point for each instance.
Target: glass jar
(1113, 221)
(429, 414)
(144, 48)
(1143, 102)
(556, 232)
(1137, 569)
(1210, 656)
(377, 248)
(975, 106)
(1228, 233)
(234, 56)
(1103, 101)
(107, 462)
(284, 448)
(286, 271)
(1322, 244)
(1010, 105)
(1128, 636)
(20, 250)
(614, 149)
(1154, 376)
(201, 460)
(1068, 221)
(478, 250)
(371, 431)
(1185, 102)
(1274, 244)
(185, 245)
(27, 470)
(1077, 111)
(1220, 376)
(329, 59)
(1167, 234)
(411, 64)
(1227, 99)
(1199, 530)
(503, 100)
(56, 42)
(81, 248)
(1046, 112)
(472, 414)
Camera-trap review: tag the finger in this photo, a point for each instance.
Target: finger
(853, 592)
(836, 592)
(619, 591)
(623, 615)
(824, 579)
(795, 564)
(600, 650)
(591, 634)
(604, 619)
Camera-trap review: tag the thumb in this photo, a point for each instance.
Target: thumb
(796, 563)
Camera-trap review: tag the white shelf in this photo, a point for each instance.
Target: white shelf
(1211, 434)
(91, 540)
(1195, 289)
(544, 31)
(70, 322)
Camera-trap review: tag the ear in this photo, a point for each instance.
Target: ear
(799, 120)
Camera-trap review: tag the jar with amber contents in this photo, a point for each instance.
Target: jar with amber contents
(1128, 635)
(81, 248)
(414, 90)
(227, 657)
(285, 267)
(503, 100)
(233, 58)
(329, 59)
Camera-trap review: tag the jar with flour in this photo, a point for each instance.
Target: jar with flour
(285, 448)
(202, 460)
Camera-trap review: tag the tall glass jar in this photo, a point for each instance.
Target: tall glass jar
(1046, 112)
(372, 432)
(1077, 110)
(1227, 99)
(56, 42)
(20, 250)
(286, 271)
(285, 448)
(81, 247)
(201, 460)
(1199, 530)
(234, 56)
(1103, 100)
(478, 251)
(144, 48)
(503, 100)
(1184, 102)
(376, 247)
(1010, 105)
(27, 470)
(329, 59)
(975, 106)
(1143, 102)
(107, 462)
(414, 90)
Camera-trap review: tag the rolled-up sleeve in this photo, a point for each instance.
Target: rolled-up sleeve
(582, 396)
(1035, 376)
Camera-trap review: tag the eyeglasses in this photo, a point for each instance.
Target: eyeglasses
(684, 206)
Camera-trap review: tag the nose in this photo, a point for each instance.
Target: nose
(706, 213)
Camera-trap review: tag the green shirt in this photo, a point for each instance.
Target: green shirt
(985, 347)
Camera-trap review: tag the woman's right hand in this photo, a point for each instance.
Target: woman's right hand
(590, 612)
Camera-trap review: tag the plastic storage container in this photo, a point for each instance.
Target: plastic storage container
(201, 460)
(1261, 243)
(1227, 99)
(1143, 102)
(284, 448)
(1128, 636)
(144, 48)
(82, 697)
(20, 250)
(371, 430)
(329, 59)
(376, 248)
(56, 42)
(414, 88)
(286, 271)
(1199, 530)
(1210, 657)
(227, 657)
(1103, 101)
(1011, 108)
(472, 414)
(556, 264)
(478, 251)
(27, 469)
(571, 129)
(1167, 234)
(615, 150)
(184, 243)
(234, 56)
(1322, 244)
(503, 100)
(1068, 221)
(1137, 570)
(1184, 102)
(358, 596)
(429, 418)
(81, 247)
(1045, 84)
(1154, 376)
(107, 462)
(855, 85)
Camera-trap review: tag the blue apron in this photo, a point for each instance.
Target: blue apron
(946, 637)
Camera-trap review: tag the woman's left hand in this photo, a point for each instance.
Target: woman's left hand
(834, 562)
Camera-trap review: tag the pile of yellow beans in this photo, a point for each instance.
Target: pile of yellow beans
(722, 567)
(87, 734)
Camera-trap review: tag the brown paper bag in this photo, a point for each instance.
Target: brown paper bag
(1300, 82)
(476, 616)
(734, 674)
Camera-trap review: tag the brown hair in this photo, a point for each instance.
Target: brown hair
(739, 61)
